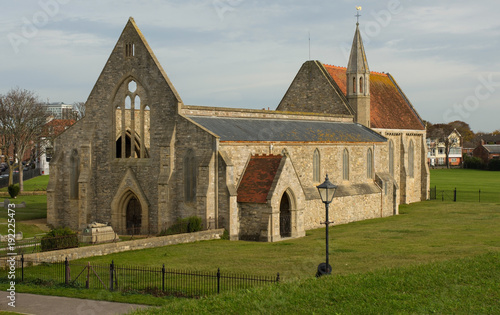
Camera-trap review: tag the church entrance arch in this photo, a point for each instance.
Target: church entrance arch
(285, 216)
(133, 216)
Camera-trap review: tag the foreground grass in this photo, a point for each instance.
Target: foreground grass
(29, 230)
(465, 286)
(38, 183)
(423, 232)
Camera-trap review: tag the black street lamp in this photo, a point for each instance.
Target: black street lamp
(326, 192)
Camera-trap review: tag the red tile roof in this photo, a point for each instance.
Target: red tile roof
(389, 108)
(258, 178)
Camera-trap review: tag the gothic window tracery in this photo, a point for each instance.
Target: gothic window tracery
(132, 121)
(316, 166)
(345, 165)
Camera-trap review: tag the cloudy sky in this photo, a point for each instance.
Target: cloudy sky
(245, 53)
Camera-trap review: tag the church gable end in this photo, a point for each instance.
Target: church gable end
(312, 91)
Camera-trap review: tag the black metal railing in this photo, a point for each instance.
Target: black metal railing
(153, 280)
(28, 174)
(462, 195)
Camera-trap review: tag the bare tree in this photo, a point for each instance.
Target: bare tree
(22, 118)
(79, 110)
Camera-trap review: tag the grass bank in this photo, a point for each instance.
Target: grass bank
(462, 286)
(423, 232)
(38, 183)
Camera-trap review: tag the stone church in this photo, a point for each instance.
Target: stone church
(141, 159)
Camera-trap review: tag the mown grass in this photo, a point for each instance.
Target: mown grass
(466, 180)
(462, 286)
(38, 183)
(29, 230)
(36, 207)
(423, 232)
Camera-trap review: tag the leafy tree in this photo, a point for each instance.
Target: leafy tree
(22, 117)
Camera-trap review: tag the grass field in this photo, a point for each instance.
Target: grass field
(36, 208)
(38, 183)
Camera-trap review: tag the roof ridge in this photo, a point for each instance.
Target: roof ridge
(344, 68)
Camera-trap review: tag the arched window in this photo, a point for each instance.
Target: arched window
(354, 85)
(345, 165)
(316, 166)
(132, 121)
(411, 165)
(391, 157)
(369, 163)
(74, 174)
(190, 177)
(361, 85)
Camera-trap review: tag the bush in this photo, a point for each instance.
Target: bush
(494, 165)
(59, 239)
(473, 162)
(13, 190)
(187, 225)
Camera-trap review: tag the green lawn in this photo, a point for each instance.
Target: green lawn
(466, 179)
(423, 232)
(466, 286)
(38, 183)
(36, 207)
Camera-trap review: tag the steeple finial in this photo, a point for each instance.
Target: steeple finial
(358, 8)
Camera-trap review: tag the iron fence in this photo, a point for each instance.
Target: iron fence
(154, 280)
(462, 195)
(28, 174)
(34, 245)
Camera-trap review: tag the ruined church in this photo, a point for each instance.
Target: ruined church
(141, 159)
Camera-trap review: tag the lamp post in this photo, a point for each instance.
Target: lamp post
(326, 192)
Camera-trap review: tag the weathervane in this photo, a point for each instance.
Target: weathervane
(358, 8)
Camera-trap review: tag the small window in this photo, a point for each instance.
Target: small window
(391, 157)
(361, 85)
(74, 174)
(411, 166)
(369, 163)
(190, 177)
(129, 50)
(316, 166)
(345, 168)
(354, 85)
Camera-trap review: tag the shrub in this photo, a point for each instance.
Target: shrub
(473, 162)
(59, 239)
(13, 190)
(494, 165)
(187, 225)
(225, 235)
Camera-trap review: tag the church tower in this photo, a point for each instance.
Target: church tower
(358, 81)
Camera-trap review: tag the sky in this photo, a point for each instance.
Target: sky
(245, 53)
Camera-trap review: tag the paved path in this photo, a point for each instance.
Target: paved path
(43, 304)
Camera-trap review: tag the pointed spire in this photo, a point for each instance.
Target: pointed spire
(357, 59)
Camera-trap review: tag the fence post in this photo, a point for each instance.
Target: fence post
(163, 278)
(22, 267)
(66, 271)
(278, 277)
(218, 280)
(87, 284)
(111, 271)
(455, 195)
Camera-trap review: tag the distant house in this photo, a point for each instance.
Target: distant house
(487, 152)
(52, 129)
(439, 148)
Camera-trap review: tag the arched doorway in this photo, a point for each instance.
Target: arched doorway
(285, 216)
(133, 216)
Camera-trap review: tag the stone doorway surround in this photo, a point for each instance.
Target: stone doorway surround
(129, 188)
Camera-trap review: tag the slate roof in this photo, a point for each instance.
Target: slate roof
(492, 148)
(254, 129)
(389, 108)
(258, 178)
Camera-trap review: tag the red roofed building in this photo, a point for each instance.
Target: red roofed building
(374, 100)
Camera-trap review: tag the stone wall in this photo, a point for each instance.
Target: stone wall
(111, 248)
(312, 90)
